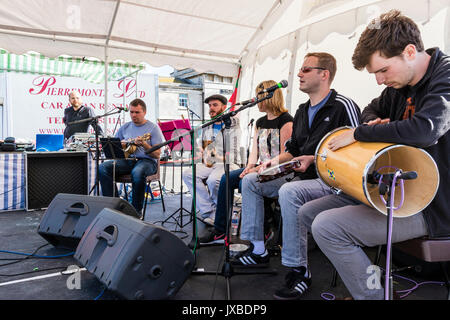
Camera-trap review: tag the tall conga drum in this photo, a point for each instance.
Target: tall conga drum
(351, 169)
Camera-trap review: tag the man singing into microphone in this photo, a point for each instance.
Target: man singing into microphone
(139, 164)
(78, 111)
(413, 109)
(324, 111)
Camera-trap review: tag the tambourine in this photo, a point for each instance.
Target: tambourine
(278, 171)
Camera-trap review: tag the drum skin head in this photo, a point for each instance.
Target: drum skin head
(349, 169)
(418, 193)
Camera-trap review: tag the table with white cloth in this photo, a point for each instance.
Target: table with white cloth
(13, 175)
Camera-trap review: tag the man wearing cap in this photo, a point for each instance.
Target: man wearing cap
(211, 167)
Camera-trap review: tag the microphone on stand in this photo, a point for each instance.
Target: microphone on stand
(281, 84)
(251, 122)
(245, 102)
(374, 178)
(123, 109)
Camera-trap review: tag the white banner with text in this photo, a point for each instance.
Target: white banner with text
(34, 104)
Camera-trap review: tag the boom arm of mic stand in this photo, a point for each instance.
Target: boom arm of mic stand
(227, 269)
(93, 118)
(224, 118)
(192, 112)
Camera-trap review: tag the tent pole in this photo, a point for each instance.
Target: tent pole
(113, 20)
(292, 72)
(106, 89)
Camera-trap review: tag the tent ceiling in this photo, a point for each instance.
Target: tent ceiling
(206, 35)
(202, 34)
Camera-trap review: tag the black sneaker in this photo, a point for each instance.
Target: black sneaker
(249, 259)
(212, 236)
(295, 286)
(268, 237)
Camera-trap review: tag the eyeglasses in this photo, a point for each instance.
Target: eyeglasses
(308, 69)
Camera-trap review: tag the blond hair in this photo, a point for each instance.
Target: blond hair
(275, 104)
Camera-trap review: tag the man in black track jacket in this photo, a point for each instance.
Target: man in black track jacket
(338, 111)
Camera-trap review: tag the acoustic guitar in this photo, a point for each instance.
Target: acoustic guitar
(131, 147)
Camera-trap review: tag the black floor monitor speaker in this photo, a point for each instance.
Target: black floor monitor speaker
(69, 215)
(134, 259)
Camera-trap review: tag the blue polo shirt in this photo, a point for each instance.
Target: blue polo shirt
(312, 110)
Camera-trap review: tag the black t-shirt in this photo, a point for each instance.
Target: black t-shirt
(83, 112)
(269, 140)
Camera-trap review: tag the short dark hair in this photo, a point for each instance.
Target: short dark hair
(326, 61)
(389, 34)
(139, 102)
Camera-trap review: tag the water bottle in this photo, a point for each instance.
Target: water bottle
(235, 221)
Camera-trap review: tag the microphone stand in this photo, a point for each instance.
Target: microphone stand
(227, 268)
(94, 120)
(190, 111)
(387, 186)
(250, 136)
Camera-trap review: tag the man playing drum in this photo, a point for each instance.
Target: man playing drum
(414, 110)
(325, 110)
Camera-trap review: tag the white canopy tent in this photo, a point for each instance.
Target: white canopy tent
(202, 34)
(267, 37)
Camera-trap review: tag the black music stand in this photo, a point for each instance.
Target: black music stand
(169, 129)
(112, 149)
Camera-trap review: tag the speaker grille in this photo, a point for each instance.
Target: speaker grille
(50, 173)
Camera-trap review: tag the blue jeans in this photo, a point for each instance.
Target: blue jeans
(252, 215)
(139, 171)
(234, 182)
(292, 196)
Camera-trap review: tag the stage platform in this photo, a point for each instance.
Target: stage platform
(41, 279)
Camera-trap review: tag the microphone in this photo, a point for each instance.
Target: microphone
(123, 109)
(389, 177)
(281, 84)
(245, 102)
(251, 122)
(408, 175)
